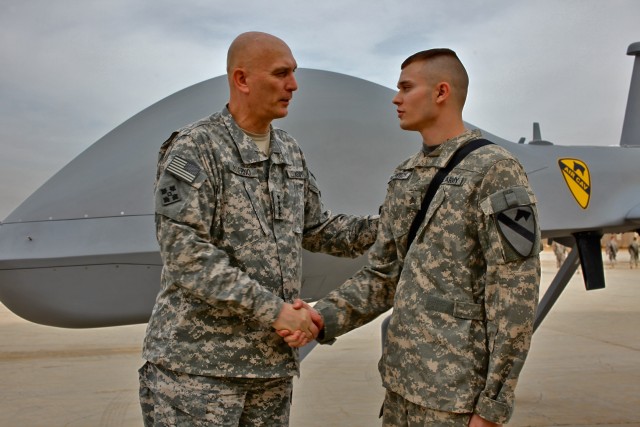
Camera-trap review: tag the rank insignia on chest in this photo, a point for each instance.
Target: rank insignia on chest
(278, 204)
(182, 169)
(169, 195)
(453, 180)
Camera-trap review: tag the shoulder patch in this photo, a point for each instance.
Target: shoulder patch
(169, 195)
(184, 170)
(518, 227)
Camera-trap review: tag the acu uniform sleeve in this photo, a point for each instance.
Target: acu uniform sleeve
(510, 237)
(185, 202)
(369, 293)
(339, 235)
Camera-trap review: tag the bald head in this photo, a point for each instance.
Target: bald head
(443, 65)
(260, 70)
(250, 47)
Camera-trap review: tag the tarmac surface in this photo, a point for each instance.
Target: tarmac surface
(583, 368)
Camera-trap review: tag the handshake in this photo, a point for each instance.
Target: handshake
(298, 323)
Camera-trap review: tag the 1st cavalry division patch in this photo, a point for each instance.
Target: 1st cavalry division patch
(576, 175)
(518, 227)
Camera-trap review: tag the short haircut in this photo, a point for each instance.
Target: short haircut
(446, 62)
(430, 54)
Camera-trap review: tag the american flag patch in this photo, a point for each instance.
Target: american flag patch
(183, 169)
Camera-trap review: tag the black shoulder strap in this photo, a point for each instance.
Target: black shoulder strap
(437, 180)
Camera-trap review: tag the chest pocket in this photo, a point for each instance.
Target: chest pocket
(243, 217)
(403, 205)
(434, 206)
(449, 211)
(295, 179)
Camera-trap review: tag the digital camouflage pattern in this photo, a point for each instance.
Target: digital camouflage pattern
(174, 399)
(231, 223)
(463, 296)
(398, 411)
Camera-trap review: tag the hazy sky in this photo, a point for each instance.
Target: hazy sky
(72, 70)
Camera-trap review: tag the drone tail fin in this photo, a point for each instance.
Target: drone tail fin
(631, 126)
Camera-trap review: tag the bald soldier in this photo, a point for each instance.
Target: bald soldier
(235, 204)
(462, 276)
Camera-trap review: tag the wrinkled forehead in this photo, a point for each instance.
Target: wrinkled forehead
(268, 55)
(259, 51)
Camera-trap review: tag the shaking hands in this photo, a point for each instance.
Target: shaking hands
(298, 323)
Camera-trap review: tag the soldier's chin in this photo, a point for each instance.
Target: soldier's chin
(282, 113)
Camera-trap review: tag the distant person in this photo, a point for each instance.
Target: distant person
(612, 251)
(560, 251)
(464, 293)
(235, 204)
(634, 248)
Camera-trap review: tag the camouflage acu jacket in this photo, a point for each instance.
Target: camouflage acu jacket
(231, 223)
(464, 295)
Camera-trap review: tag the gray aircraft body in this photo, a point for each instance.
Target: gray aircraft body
(81, 250)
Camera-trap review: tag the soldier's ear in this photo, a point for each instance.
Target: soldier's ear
(239, 79)
(443, 90)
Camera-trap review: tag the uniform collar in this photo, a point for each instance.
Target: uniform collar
(441, 156)
(249, 152)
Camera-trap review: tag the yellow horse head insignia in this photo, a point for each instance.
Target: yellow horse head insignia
(576, 175)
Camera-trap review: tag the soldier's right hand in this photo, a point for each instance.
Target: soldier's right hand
(297, 339)
(295, 320)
